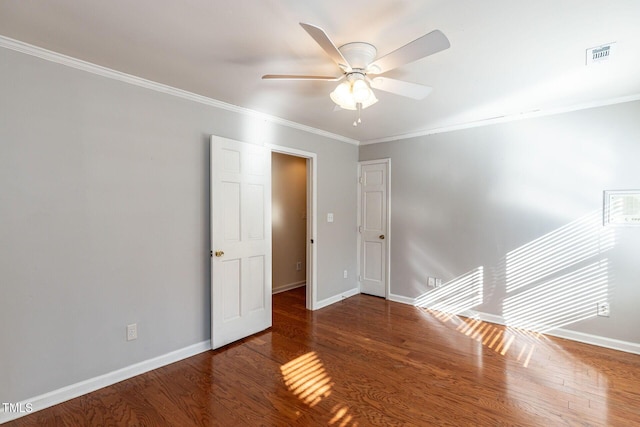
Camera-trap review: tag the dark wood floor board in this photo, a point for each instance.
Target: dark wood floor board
(365, 361)
(246, 391)
(387, 374)
(175, 394)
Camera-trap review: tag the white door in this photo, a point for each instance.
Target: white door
(374, 190)
(240, 240)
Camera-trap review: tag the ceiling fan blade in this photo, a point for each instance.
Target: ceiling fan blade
(296, 77)
(399, 87)
(327, 45)
(426, 45)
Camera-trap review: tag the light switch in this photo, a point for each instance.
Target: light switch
(330, 217)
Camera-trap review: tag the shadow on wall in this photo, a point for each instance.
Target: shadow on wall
(555, 280)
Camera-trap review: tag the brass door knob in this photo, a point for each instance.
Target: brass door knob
(381, 237)
(219, 253)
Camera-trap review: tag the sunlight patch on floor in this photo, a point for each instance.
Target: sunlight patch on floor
(307, 379)
(341, 417)
(517, 343)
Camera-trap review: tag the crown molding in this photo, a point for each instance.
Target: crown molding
(79, 64)
(89, 67)
(508, 118)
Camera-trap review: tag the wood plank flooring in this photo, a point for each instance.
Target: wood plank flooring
(369, 362)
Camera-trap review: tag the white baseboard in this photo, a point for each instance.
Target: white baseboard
(614, 344)
(288, 287)
(87, 386)
(626, 346)
(485, 317)
(336, 298)
(402, 299)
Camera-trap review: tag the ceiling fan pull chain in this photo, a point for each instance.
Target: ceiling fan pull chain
(358, 111)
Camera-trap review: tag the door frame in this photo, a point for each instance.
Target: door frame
(387, 161)
(312, 218)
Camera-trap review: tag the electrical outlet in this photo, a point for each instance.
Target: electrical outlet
(603, 309)
(438, 283)
(431, 282)
(298, 265)
(344, 274)
(132, 332)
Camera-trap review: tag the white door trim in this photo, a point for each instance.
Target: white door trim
(312, 221)
(387, 261)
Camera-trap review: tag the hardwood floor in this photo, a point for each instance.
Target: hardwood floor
(365, 361)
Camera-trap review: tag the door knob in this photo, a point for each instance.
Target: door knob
(219, 253)
(381, 237)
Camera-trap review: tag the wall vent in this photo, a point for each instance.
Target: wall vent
(622, 207)
(600, 53)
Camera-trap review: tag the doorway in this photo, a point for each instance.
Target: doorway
(294, 221)
(288, 222)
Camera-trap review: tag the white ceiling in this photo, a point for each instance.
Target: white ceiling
(507, 57)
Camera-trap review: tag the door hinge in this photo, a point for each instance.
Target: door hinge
(359, 278)
(360, 180)
(360, 229)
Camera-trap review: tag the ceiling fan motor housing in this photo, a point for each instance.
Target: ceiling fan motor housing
(358, 54)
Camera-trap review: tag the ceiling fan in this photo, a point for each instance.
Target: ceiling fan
(358, 63)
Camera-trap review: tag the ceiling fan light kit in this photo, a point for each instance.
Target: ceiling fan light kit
(358, 59)
(353, 91)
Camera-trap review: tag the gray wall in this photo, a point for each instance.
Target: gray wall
(104, 221)
(522, 200)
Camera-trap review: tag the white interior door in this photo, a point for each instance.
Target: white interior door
(374, 189)
(240, 240)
